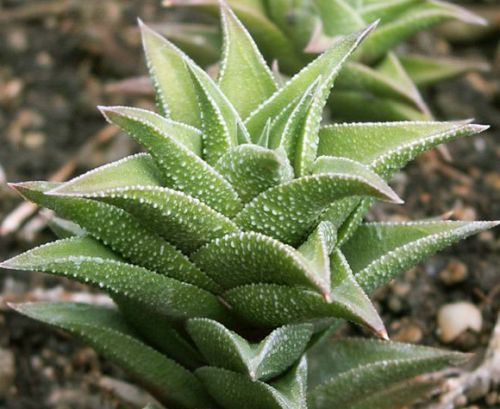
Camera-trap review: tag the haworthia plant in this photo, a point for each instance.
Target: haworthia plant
(236, 242)
(377, 84)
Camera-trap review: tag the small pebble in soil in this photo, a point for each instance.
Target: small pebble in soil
(456, 318)
(454, 273)
(408, 331)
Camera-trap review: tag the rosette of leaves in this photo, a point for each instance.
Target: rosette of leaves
(377, 83)
(235, 243)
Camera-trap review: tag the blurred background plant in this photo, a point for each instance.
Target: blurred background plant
(58, 61)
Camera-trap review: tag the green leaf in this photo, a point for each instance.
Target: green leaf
(387, 147)
(139, 170)
(327, 66)
(244, 76)
(413, 20)
(231, 389)
(159, 332)
(119, 230)
(175, 90)
(316, 250)
(260, 361)
(217, 139)
(272, 305)
(104, 330)
(388, 80)
(85, 260)
(273, 42)
(378, 251)
(182, 169)
(63, 228)
(385, 10)
(425, 71)
(355, 106)
(252, 169)
(287, 212)
(231, 261)
(338, 17)
(348, 373)
(183, 221)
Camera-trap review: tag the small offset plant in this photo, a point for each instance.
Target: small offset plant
(235, 246)
(378, 83)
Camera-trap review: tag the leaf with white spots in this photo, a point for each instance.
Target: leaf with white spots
(252, 169)
(244, 76)
(352, 373)
(231, 262)
(216, 138)
(272, 305)
(231, 389)
(316, 250)
(379, 251)
(273, 42)
(183, 221)
(175, 91)
(387, 147)
(87, 261)
(105, 330)
(119, 230)
(182, 169)
(388, 80)
(327, 66)
(287, 212)
(160, 332)
(260, 361)
(133, 170)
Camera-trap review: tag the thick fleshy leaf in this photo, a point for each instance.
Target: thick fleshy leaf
(104, 330)
(413, 20)
(265, 360)
(159, 332)
(384, 9)
(273, 42)
(175, 90)
(425, 71)
(378, 251)
(252, 169)
(387, 147)
(231, 261)
(356, 106)
(244, 76)
(287, 212)
(63, 228)
(183, 221)
(388, 80)
(347, 373)
(339, 17)
(347, 293)
(316, 250)
(272, 305)
(327, 66)
(87, 261)
(231, 389)
(217, 139)
(182, 169)
(135, 170)
(119, 230)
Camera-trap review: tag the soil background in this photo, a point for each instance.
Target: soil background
(59, 59)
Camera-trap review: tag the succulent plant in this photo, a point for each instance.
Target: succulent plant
(235, 245)
(377, 83)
